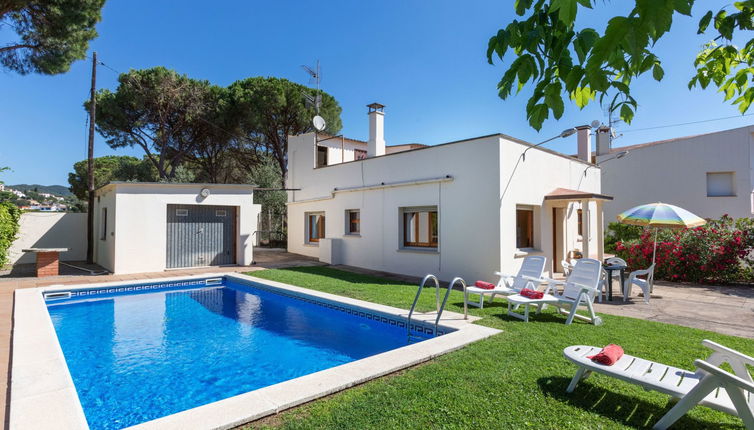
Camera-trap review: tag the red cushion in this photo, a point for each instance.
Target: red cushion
(484, 285)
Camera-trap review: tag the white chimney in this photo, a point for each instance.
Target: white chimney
(603, 140)
(584, 138)
(376, 143)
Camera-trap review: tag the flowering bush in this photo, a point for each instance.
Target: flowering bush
(722, 251)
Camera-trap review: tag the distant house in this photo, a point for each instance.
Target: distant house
(709, 174)
(465, 208)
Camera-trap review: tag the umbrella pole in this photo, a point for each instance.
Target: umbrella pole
(654, 251)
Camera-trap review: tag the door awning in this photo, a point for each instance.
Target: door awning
(575, 195)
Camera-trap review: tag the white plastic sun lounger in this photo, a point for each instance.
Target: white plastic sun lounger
(578, 290)
(529, 276)
(709, 385)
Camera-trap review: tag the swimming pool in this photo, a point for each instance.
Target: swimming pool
(140, 355)
(202, 353)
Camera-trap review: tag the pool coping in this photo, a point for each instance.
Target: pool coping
(42, 393)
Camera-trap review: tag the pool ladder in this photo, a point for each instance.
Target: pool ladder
(440, 306)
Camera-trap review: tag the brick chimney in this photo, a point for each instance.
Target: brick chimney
(376, 143)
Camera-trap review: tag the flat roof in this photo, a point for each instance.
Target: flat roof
(500, 135)
(176, 184)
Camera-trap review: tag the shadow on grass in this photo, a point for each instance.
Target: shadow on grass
(625, 409)
(341, 275)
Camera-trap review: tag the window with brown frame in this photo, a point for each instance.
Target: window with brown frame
(321, 156)
(420, 228)
(353, 220)
(359, 154)
(580, 229)
(315, 226)
(524, 228)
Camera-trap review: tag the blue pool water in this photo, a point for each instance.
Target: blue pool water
(137, 357)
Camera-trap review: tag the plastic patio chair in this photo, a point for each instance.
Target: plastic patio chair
(528, 276)
(644, 284)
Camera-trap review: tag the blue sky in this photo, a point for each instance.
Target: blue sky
(424, 60)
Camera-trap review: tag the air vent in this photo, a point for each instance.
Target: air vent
(181, 212)
(57, 295)
(220, 212)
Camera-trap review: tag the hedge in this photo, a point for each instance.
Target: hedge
(721, 251)
(9, 216)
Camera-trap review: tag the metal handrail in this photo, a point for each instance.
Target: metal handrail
(440, 306)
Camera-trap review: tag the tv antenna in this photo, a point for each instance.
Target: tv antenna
(315, 101)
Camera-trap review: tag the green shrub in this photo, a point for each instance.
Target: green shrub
(721, 251)
(9, 216)
(617, 232)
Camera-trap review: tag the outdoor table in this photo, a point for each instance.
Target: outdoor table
(47, 260)
(610, 269)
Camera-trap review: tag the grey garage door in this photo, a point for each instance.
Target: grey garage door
(201, 235)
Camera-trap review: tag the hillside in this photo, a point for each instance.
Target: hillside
(56, 190)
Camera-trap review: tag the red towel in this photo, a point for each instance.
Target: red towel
(609, 355)
(484, 285)
(532, 294)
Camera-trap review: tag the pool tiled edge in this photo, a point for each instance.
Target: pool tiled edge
(43, 394)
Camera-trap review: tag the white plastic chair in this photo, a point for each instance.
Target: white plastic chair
(528, 276)
(644, 284)
(709, 385)
(579, 289)
(567, 267)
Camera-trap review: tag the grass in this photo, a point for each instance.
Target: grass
(516, 379)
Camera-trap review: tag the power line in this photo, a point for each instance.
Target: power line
(686, 123)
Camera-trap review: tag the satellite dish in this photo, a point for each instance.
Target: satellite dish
(319, 123)
(596, 123)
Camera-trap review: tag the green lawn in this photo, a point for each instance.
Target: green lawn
(516, 379)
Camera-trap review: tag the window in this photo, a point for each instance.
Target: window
(720, 184)
(579, 212)
(353, 221)
(315, 225)
(103, 223)
(359, 154)
(524, 228)
(420, 227)
(321, 156)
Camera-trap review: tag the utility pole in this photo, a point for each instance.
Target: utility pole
(90, 166)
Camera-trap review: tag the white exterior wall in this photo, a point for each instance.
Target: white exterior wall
(675, 172)
(50, 230)
(537, 175)
(476, 229)
(138, 225)
(340, 150)
(104, 249)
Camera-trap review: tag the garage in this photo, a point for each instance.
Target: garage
(200, 236)
(151, 227)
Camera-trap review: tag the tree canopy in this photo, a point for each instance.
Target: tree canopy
(157, 110)
(559, 58)
(49, 34)
(271, 109)
(109, 168)
(219, 133)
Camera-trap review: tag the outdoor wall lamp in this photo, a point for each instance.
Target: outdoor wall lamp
(614, 157)
(563, 134)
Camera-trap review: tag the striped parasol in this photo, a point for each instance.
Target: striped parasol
(660, 215)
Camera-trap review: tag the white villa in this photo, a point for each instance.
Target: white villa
(709, 174)
(465, 208)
